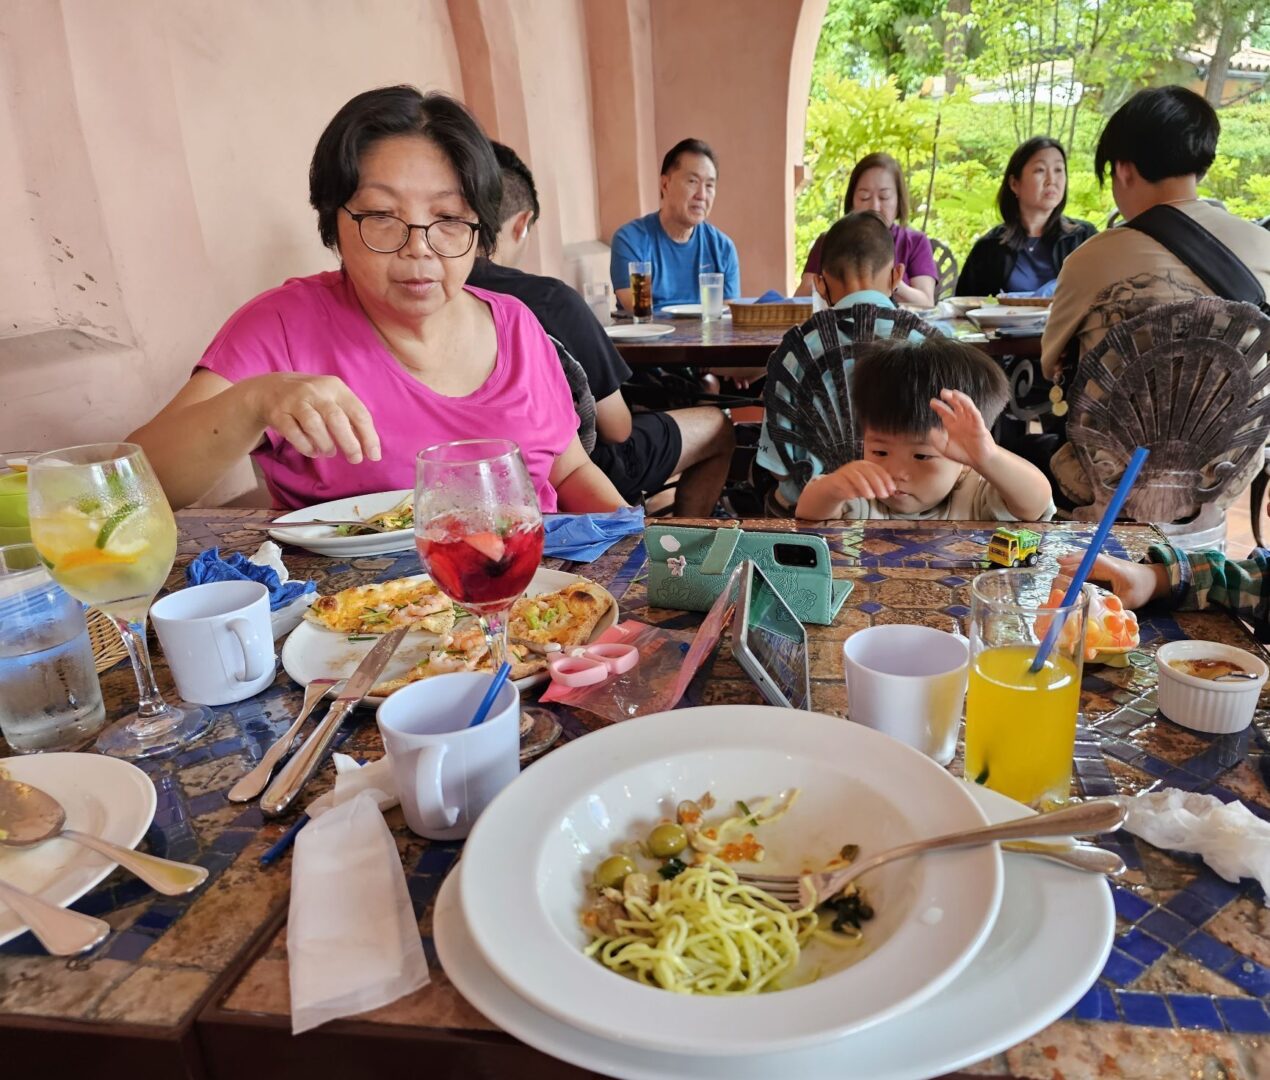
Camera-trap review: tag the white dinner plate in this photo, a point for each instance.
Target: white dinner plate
(1002, 315)
(687, 311)
(105, 796)
(321, 539)
(313, 652)
(638, 331)
(1049, 943)
(550, 828)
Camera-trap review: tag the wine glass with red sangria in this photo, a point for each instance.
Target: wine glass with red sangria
(478, 528)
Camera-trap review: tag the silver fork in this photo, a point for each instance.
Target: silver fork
(265, 525)
(1096, 816)
(255, 781)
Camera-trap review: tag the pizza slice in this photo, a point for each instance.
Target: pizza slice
(414, 602)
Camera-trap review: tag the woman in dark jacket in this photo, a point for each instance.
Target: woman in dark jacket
(1025, 252)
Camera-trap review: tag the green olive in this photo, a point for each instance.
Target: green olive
(612, 871)
(667, 839)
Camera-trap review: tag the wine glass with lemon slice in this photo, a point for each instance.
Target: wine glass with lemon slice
(102, 525)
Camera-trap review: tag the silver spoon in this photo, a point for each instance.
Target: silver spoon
(257, 780)
(1236, 676)
(30, 816)
(1088, 857)
(61, 931)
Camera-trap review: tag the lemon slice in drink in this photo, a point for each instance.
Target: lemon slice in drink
(125, 533)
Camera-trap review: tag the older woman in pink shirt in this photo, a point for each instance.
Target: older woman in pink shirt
(333, 382)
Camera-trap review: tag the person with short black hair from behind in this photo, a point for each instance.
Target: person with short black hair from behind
(639, 452)
(857, 267)
(1026, 251)
(1156, 149)
(925, 410)
(676, 238)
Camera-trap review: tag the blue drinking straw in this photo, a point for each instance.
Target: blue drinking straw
(487, 702)
(1091, 553)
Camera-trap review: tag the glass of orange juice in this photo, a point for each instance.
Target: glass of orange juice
(1020, 724)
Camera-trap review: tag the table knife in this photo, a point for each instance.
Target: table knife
(304, 762)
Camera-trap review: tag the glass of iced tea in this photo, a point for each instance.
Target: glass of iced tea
(478, 528)
(641, 291)
(104, 529)
(1020, 724)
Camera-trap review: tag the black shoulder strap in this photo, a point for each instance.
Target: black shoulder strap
(1208, 258)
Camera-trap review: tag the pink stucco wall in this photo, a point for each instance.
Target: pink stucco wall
(155, 172)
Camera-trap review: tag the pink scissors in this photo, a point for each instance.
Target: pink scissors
(592, 664)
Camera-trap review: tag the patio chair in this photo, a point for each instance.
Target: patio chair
(1188, 381)
(808, 406)
(580, 390)
(946, 264)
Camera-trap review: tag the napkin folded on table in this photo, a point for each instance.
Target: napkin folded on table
(352, 938)
(585, 537)
(287, 599)
(1229, 837)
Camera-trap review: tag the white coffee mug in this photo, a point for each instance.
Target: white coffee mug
(218, 640)
(447, 772)
(908, 682)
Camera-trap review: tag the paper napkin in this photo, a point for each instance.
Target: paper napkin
(585, 537)
(352, 938)
(1228, 836)
(352, 778)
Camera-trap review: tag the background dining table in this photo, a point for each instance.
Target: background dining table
(198, 986)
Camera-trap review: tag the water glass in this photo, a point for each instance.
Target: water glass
(51, 699)
(1020, 725)
(711, 296)
(599, 298)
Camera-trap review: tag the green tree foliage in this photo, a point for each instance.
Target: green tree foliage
(849, 117)
(899, 39)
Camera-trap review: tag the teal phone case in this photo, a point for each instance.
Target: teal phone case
(689, 566)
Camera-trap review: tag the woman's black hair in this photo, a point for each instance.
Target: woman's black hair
(1166, 131)
(1008, 203)
(334, 174)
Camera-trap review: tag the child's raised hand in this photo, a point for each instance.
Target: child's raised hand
(968, 440)
(861, 480)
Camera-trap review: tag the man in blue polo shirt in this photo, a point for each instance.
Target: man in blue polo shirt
(677, 239)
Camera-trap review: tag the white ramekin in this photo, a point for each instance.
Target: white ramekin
(1219, 708)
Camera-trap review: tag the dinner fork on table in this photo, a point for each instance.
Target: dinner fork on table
(1082, 819)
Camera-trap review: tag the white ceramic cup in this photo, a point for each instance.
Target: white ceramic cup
(218, 640)
(1218, 708)
(447, 772)
(908, 682)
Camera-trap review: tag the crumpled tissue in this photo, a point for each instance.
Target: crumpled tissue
(1228, 836)
(353, 941)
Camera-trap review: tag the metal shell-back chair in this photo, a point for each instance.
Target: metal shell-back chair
(946, 264)
(580, 390)
(807, 398)
(1188, 381)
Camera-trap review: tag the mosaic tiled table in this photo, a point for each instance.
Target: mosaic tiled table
(198, 986)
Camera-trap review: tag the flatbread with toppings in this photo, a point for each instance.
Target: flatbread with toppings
(414, 602)
(567, 617)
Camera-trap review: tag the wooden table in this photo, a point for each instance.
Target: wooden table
(721, 345)
(197, 986)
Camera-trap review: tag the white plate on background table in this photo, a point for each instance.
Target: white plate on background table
(687, 311)
(313, 652)
(322, 539)
(105, 796)
(638, 331)
(1002, 315)
(1049, 943)
(551, 826)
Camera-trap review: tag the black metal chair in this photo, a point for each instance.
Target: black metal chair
(1188, 381)
(807, 396)
(946, 264)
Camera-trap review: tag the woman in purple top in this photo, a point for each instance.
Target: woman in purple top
(877, 184)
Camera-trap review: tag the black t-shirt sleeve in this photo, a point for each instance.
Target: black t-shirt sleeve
(580, 331)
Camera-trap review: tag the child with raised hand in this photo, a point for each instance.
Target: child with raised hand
(924, 410)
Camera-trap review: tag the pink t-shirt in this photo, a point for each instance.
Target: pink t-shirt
(315, 325)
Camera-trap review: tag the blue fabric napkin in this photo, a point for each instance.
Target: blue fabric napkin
(209, 566)
(585, 537)
(774, 297)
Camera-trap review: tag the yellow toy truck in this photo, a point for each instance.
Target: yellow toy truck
(1013, 547)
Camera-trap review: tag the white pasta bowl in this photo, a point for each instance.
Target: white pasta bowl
(527, 864)
(1218, 708)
